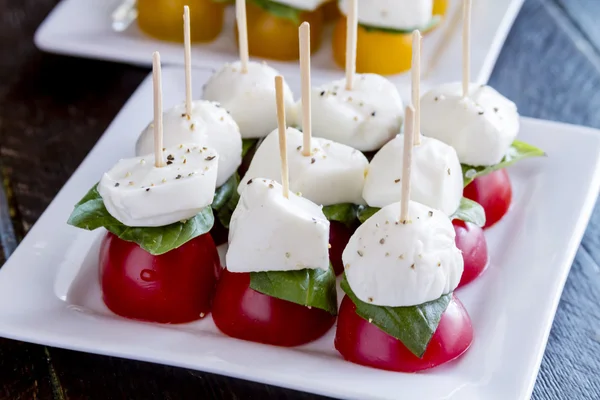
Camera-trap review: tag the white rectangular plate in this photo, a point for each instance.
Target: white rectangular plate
(83, 28)
(49, 292)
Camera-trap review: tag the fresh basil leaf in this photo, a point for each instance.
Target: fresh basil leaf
(280, 10)
(226, 199)
(516, 152)
(470, 211)
(307, 287)
(414, 326)
(90, 213)
(363, 213)
(247, 145)
(343, 212)
(433, 22)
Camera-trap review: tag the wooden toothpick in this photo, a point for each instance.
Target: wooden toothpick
(416, 83)
(187, 57)
(285, 181)
(466, 78)
(158, 112)
(351, 33)
(304, 33)
(407, 162)
(240, 15)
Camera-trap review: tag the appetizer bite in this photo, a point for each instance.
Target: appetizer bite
(364, 111)
(157, 261)
(481, 125)
(401, 267)
(162, 19)
(245, 89)
(207, 124)
(437, 182)
(328, 173)
(440, 7)
(273, 27)
(278, 287)
(383, 33)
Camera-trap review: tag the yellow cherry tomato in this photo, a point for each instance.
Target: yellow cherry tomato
(276, 38)
(163, 19)
(440, 7)
(331, 10)
(377, 52)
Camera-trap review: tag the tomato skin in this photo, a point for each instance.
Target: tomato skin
(363, 343)
(339, 235)
(219, 233)
(471, 241)
(243, 313)
(494, 192)
(174, 287)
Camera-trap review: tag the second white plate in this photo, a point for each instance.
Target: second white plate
(83, 28)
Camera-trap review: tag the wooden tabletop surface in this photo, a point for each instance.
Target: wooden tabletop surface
(54, 108)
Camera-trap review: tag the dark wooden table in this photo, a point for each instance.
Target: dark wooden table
(53, 109)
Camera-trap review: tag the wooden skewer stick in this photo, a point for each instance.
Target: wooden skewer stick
(285, 180)
(407, 162)
(305, 82)
(466, 78)
(240, 15)
(187, 57)
(158, 112)
(416, 83)
(351, 38)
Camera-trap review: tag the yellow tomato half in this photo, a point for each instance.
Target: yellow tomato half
(440, 7)
(377, 52)
(276, 38)
(163, 19)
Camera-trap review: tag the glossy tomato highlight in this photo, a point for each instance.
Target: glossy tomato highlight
(174, 287)
(363, 343)
(494, 192)
(244, 313)
(471, 241)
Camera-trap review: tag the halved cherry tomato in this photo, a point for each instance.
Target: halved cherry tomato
(244, 313)
(471, 241)
(174, 287)
(163, 19)
(270, 36)
(440, 7)
(331, 11)
(363, 343)
(339, 235)
(377, 52)
(493, 191)
(219, 233)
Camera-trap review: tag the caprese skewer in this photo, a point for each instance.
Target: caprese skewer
(157, 261)
(481, 125)
(278, 286)
(328, 173)
(206, 123)
(363, 111)
(383, 33)
(437, 182)
(401, 268)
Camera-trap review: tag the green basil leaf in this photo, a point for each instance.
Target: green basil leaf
(280, 10)
(433, 22)
(414, 326)
(343, 212)
(365, 212)
(247, 145)
(226, 199)
(470, 211)
(90, 213)
(516, 152)
(307, 287)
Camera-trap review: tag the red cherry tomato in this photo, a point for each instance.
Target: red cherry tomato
(219, 233)
(339, 235)
(363, 343)
(471, 241)
(174, 287)
(244, 313)
(493, 192)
